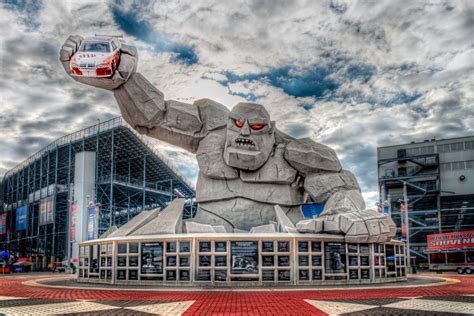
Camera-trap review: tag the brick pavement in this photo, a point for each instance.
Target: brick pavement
(453, 299)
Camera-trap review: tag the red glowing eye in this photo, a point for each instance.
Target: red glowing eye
(256, 126)
(239, 123)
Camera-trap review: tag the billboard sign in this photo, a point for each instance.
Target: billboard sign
(463, 239)
(21, 218)
(90, 222)
(47, 211)
(72, 226)
(3, 223)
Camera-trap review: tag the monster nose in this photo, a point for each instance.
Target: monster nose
(245, 130)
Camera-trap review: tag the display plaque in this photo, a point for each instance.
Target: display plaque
(284, 275)
(133, 261)
(184, 275)
(304, 275)
(184, 261)
(220, 246)
(204, 261)
(268, 261)
(109, 274)
(268, 275)
(244, 257)
(220, 275)
(334, 257)
(121, 274)
(364, 248)
(133, 274)
(204, 246)
(109, 261)
(316, 261)
(316, 246)
(353, 274)
(122, 248)
(171, 261)
(152, 258)
(352, 248)
(364, 261)
(353, 261)
(365, 274)
(133, 247)
(171, 247)
(267, 246)
(220, 261)
(303, 246)
(121, 261)
(171, 275)
(204, 275)
(102, 261)
(102, 274)
(317, 274)
(303, 261)
(184, 246)
(283, 246)
(283, 261)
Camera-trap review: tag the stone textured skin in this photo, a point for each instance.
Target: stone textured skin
(284, 223)
(309, 157)
(251, 174)
(193, 227)
(322, 186)
(135, 223)
(168, 221)
(269, 228)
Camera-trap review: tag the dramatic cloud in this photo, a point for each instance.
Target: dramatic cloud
(352, 75)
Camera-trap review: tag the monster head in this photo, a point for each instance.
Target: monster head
(250, 136)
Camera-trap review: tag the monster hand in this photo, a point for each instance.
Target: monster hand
(126, 66)
(344, 214)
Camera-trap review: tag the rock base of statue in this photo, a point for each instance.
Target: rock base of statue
(224, 259)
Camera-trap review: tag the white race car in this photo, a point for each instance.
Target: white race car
(96, 57)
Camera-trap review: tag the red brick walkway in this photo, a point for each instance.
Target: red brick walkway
(233, 303)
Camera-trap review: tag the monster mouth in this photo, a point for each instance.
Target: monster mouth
(245, 142)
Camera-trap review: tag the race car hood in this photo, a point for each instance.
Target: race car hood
(90, 58)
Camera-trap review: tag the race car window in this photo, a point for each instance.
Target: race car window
(114, 47)
(98, 47)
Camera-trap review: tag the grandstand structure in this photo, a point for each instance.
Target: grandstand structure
(437, 176)
(130, 176)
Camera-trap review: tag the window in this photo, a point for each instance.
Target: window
(427, 150)
(456, 257)
(469, 145)
(470, 164)
(445, 166)
(98, 47)
(114, 47)
(446, 148)
(458, 165)
(457, 146)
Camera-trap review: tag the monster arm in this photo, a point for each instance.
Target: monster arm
(143, 106)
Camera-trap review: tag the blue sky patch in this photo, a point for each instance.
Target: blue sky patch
(132, 24)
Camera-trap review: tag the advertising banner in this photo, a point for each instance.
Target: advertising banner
(244, 257)
(453, 240)
(90, 222)
(152, 258)
(3, 223)
(72, 227)
(21, 218)
(47, 210)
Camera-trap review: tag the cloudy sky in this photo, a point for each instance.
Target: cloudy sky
(352, 75)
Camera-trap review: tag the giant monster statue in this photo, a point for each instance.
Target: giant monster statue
(252, 176)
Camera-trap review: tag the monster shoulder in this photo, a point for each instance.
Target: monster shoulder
(309, 157)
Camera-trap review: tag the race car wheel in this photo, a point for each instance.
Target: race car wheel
(460, 270)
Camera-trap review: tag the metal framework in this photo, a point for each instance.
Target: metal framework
(429, 211)
(130, 177)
